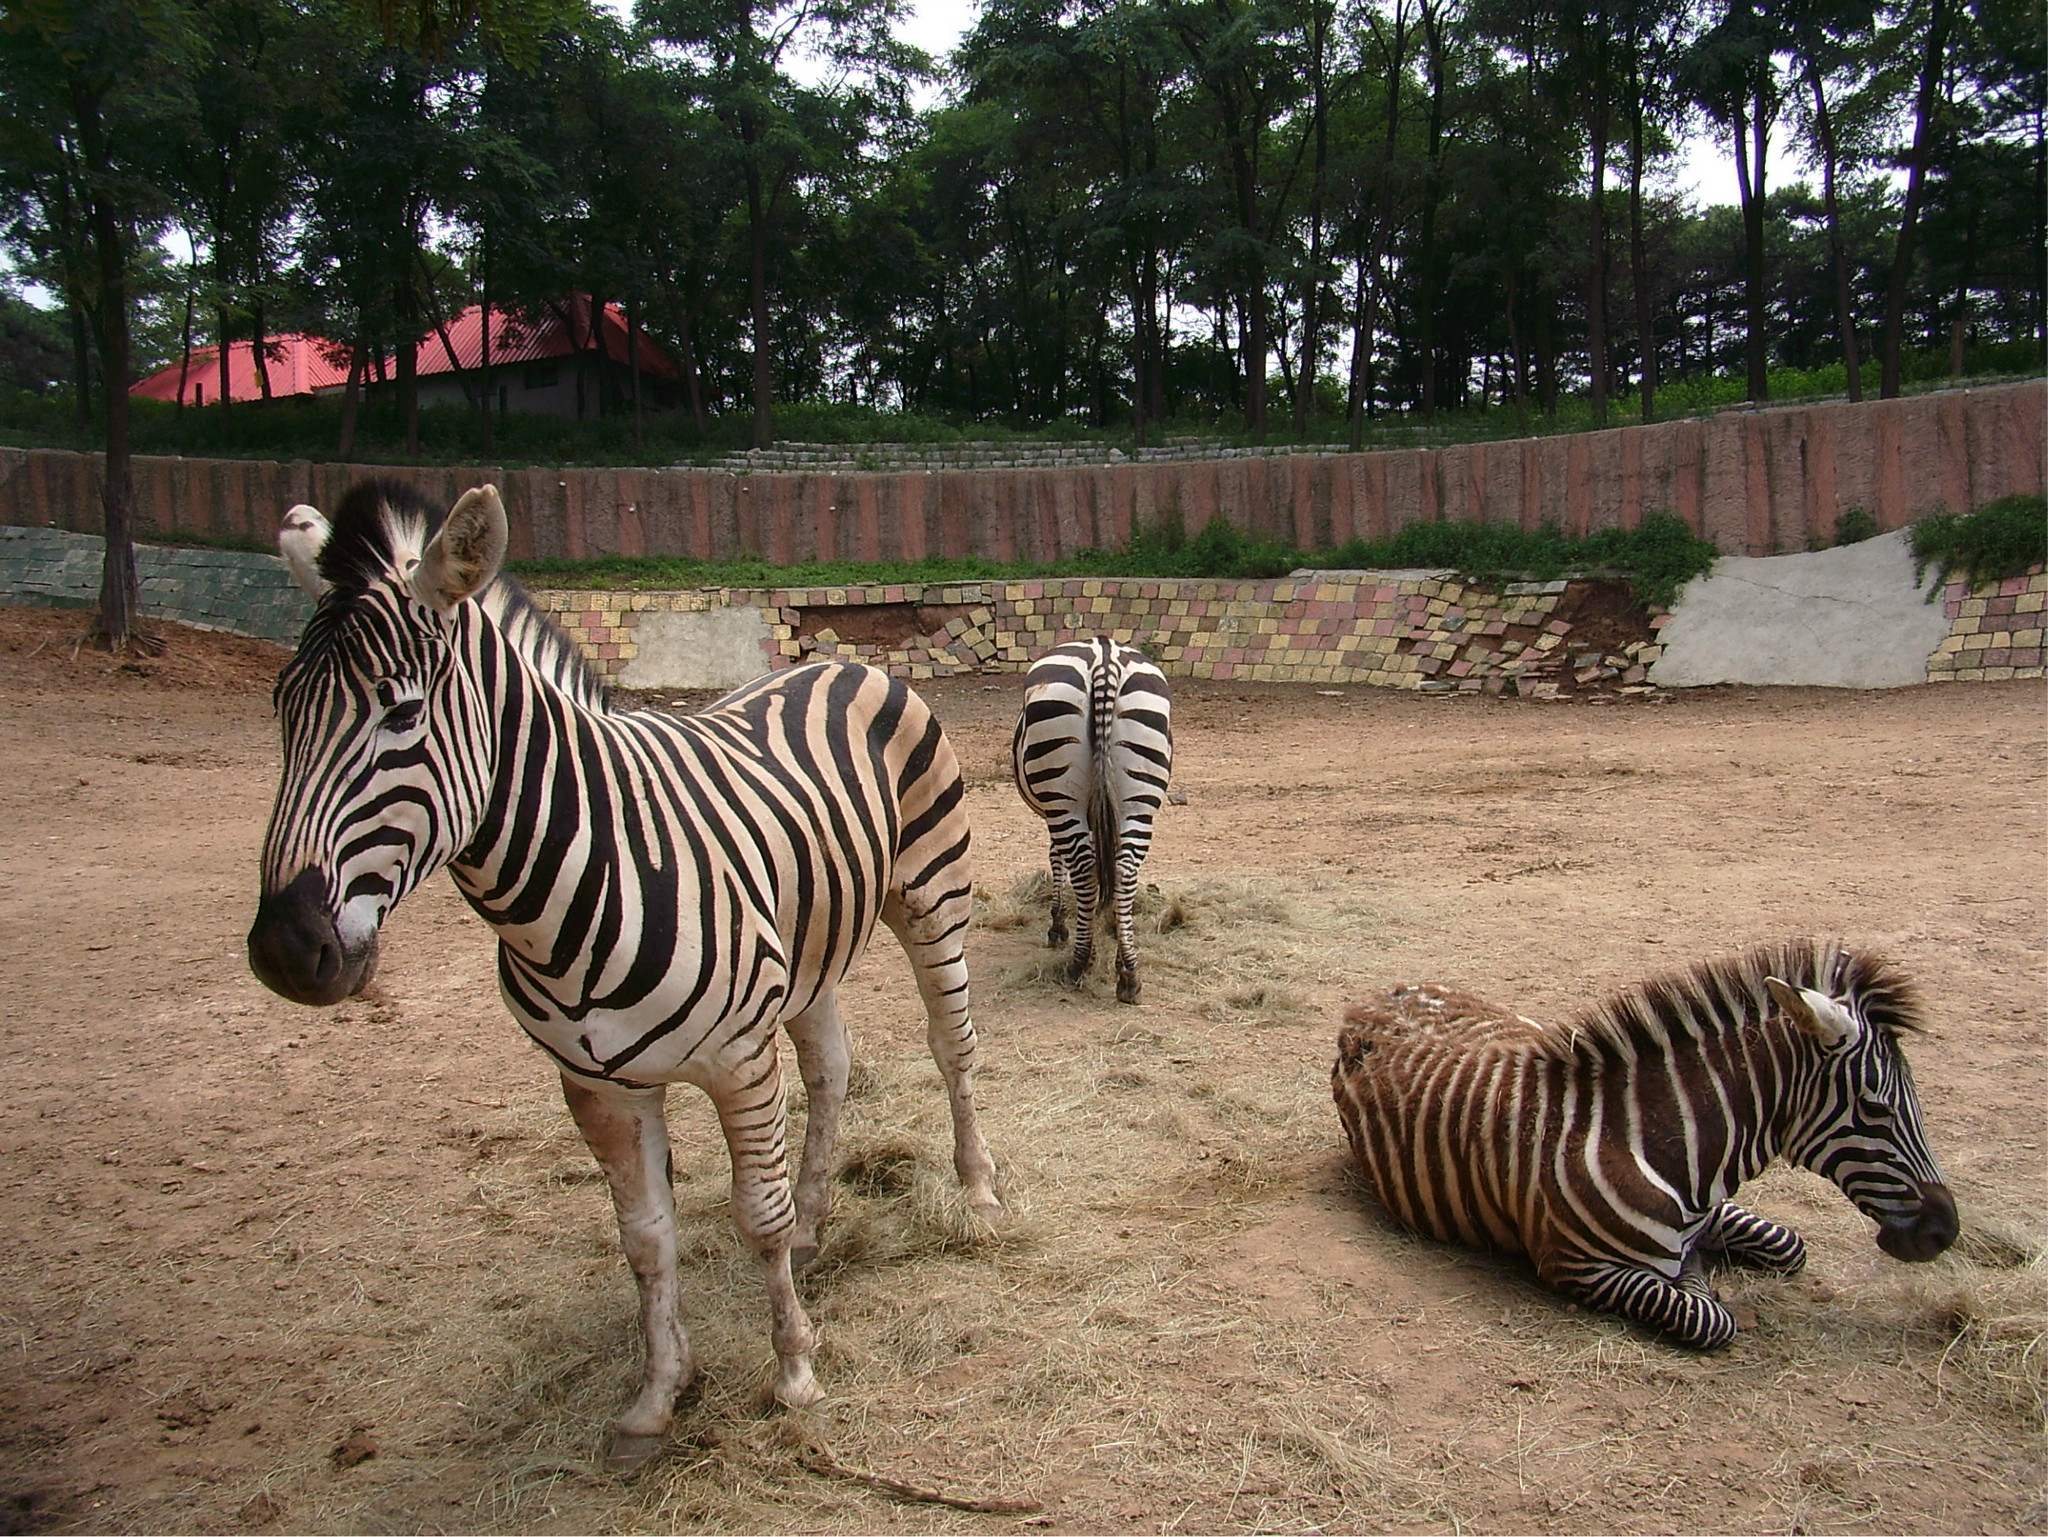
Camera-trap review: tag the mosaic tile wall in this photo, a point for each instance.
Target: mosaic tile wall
(1994, 630)
(1397, 630)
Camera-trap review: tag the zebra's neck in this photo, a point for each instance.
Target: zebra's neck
(532, 868)
(1745, 1091)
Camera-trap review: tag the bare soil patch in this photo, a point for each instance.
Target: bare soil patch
(279, 1269)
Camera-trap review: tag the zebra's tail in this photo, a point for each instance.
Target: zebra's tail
(1103, 818)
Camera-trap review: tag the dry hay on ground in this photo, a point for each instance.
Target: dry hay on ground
(279, 1269)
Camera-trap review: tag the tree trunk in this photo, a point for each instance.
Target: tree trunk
(120, 594)
(81, 357)
(405, 299)
(1916, 176)
(1638, 257)
(1596, 277)
(484, 360)
(256, 349)
(1845, 304)
(763, 433)
(185, 354)
(1751, 183)
(351, 403)
(225, 359)
(633, 358)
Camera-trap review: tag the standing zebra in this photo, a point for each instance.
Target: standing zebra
(667, 893)
(1092, 755)
(1606, 1151)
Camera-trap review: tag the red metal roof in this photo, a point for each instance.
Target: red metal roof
(298, 365)
(302, 365)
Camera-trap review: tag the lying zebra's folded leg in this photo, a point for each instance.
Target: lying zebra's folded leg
(824, 1054)
(1743, 1238)
(1686, 1309)
(628, 1136)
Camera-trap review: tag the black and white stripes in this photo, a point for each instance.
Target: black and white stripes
(1607, 1150)
(669, 895)
(1092, 754)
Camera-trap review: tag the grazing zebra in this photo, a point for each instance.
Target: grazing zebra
(1092, 755)
(667, 893)
(1606, 1150)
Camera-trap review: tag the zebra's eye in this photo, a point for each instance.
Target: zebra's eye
(401, 705)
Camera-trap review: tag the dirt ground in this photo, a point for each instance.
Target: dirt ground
(270, 1268)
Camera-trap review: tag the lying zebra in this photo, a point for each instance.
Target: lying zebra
(1606, 1150)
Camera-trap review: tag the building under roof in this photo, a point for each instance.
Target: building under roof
(540, 361)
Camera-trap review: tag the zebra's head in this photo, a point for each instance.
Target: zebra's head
(387, 740)
(1860, 1127)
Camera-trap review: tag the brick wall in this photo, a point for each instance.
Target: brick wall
(1755, 482)
(1994, 630)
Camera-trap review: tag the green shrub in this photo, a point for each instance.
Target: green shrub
(2001, 539)
(1656, 559)
(1855, 525)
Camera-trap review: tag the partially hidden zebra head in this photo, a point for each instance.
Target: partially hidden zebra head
(387, 747)
(1861, 1125)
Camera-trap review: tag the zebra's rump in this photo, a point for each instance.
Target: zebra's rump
(1422, 1079)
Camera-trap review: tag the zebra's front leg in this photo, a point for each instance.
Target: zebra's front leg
(935, 942)
(1127, 986)
(1755, 1243)
(823, 1053)
(753, 1113)
(1685, 1309)
(627, 1134)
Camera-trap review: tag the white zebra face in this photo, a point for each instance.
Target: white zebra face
(387, 762)
(1862, 1128)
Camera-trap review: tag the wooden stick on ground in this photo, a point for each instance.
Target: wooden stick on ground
(818, 1460)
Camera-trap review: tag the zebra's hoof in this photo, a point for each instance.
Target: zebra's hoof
(629, 1454)
(1075, 973)
(1127, 988)
(1056, 938)
(801, 1255)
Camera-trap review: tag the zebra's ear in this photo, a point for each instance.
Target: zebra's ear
(464, 556)
(300, 539)
(1817, 1014)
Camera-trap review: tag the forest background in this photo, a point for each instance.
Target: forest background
(1310, 220)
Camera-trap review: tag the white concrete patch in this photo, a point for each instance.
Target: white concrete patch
(1846, 618)
(716, 648)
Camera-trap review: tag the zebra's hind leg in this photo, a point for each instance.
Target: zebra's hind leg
(1743, 1238)
(1062, 895)
(1127, 986)
(823, 1052)
(1686, 1310)
(1080, 868)
(934, 941)
(753, 1113)
(627, 1134)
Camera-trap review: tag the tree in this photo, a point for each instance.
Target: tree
(91, 84)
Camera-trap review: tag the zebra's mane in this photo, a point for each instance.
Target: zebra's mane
(1728, 993)
(383, 525)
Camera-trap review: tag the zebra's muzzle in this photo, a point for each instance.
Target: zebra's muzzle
(296, 950)
(1925, 1234)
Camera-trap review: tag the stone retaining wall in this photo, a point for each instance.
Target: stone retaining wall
(1994, 630)
(1414, 630)
(243, 593)
(1755, 482)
